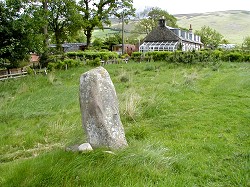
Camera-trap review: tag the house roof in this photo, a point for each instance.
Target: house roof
(67, 45)
(161, 34)
(120, 45)
(164, 33)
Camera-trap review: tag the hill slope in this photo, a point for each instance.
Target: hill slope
(232, 24)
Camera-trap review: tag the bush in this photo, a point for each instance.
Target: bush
(247, 57)
(217, 54)
(105, 57)
(72, 55)
(75, 55)
(124, 56)
(233, 57)
(60, 65)
(29, 70)
(92, 55)
(51, 66)
(95, 62)
(72, 63)
(181, 57)
(158, 55)
(136, 56)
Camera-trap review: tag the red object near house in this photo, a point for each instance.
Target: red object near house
(128, 49)
(34, 58)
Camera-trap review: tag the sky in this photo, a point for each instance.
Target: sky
(193, 6)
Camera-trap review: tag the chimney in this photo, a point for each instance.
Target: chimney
(190, 28)
(162, 22)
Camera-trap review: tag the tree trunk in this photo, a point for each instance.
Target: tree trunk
(58, 43)
(45, 28)
(88, 36)
(44, 56)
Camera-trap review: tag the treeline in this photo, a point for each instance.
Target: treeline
(30, 26)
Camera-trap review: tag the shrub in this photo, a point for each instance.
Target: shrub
(247, 57)
(29, 70)
(55, 58)
(60, 65)
(136, 56)
(72, 55)
(217, 54)
(72, 62)
(105, 57)
(95, 62)
(69, 62)
(125, 56)
(92, 55)
(51, 66)
(158, 55)
(233, 57)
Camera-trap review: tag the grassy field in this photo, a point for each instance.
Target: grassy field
(186, 125)
(98, 33)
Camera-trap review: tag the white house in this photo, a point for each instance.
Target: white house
(164, 38)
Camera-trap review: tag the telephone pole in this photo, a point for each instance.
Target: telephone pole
(122, 33)
(45, 28)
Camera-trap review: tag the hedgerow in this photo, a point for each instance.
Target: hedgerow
(95, 58)
(186, 57)
(91, 55)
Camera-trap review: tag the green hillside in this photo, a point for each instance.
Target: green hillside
(233, 25)
(116, 27)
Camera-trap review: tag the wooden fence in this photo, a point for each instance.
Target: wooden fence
(12, 73)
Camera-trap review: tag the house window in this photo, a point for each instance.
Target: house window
(158, 46)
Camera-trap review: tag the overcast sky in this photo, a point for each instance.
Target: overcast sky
(193, 6)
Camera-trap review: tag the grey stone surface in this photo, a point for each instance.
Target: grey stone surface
(100, 110)
(85, 147)
(73, 148)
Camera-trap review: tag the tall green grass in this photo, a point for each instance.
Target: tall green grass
(186, 125)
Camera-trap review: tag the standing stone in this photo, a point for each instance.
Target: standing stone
(100, 110)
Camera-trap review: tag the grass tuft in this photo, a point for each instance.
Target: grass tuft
(130, 105)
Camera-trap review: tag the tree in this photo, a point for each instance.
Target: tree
(64, 20)
(209, 37)
(246, 43)
(97, 13)
(224, 41)
(113, 40)
(18, 36)
(150, 17)
(78, 37)
(98, 43)
(58, 21)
